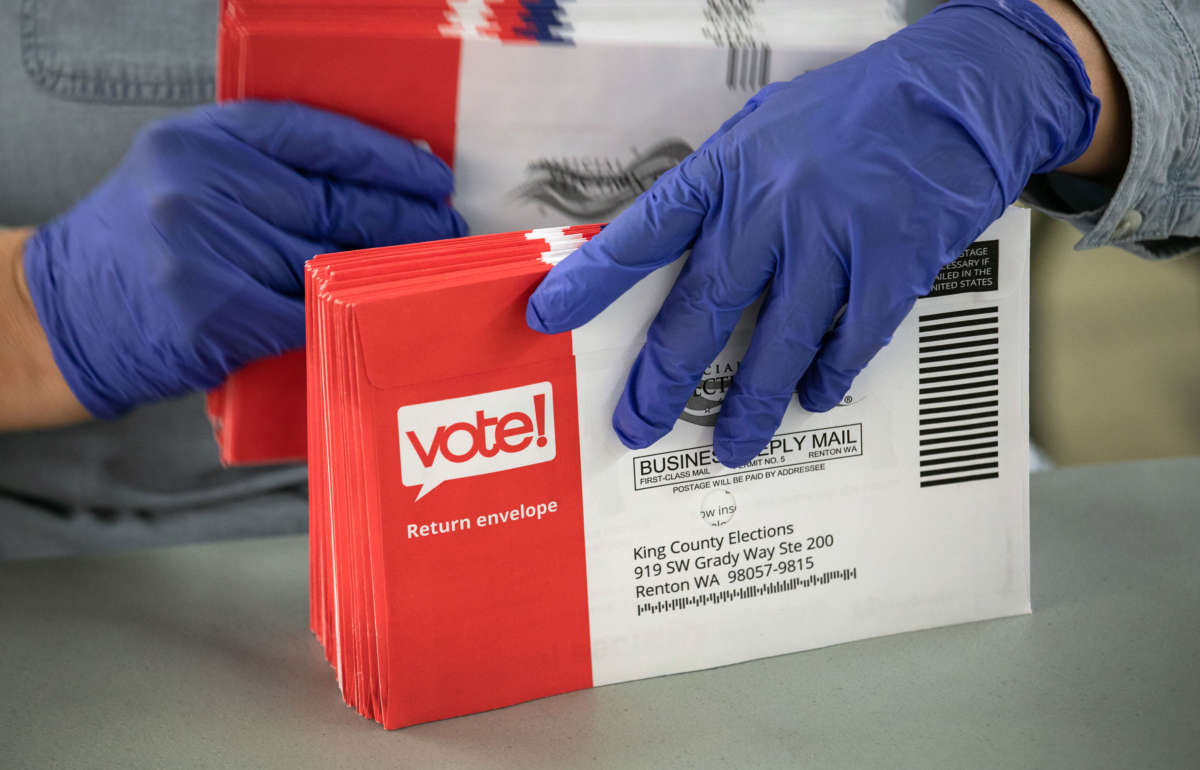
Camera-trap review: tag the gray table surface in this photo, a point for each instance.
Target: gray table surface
(200, 656)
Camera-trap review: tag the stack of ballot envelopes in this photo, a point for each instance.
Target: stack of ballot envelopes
(478, 535)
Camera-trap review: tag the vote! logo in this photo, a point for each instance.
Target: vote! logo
(475, 435)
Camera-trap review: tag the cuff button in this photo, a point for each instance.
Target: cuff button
(1127, 225)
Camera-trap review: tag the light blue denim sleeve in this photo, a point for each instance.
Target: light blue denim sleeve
(1154, 211)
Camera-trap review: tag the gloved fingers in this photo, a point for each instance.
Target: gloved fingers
(787, 336)
(280, 266)
(328, 144)
(277, 325)
(357, 216)
(221, 315)
(696, 319)
(653, 232)
(846, 351)
(347, 213)
(254, 251)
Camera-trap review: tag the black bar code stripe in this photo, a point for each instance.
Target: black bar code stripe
(957, 367)
(959, 357)
(960, 469)
(957, 325)
(959, 458)
(960, 448)
(948, 439)
(961, 354)
(953, 428)
(991, 329)
(958, 479)
(958, 396)
(957, 407)
(959, 418)
(962, 344)
(993, 383)
(959, 376)
(960, 313)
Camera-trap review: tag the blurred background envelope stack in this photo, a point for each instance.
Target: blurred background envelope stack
(550, 113)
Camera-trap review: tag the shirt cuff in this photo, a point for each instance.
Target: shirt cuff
(1155, 210)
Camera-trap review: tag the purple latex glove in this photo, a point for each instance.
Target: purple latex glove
(848, 187)
(187, 262)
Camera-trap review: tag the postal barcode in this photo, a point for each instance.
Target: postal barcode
(748, 68)
(958, 396)
(747, 592)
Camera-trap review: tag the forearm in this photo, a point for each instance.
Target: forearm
(1106, 157)
(33, 393)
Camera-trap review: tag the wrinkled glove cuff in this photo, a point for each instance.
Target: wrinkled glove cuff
(70, 354)
(1029, 17)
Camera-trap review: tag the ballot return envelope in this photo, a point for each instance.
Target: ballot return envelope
(480, 537)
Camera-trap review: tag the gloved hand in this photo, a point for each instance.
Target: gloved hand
(850, 186)
(188, 261)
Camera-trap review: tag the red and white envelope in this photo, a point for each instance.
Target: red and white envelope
(479, 536)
